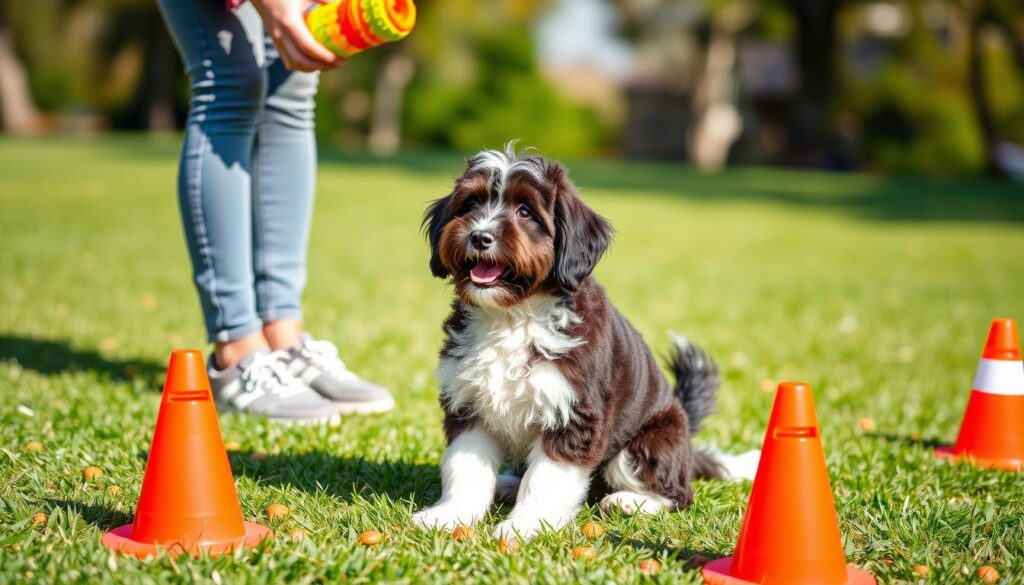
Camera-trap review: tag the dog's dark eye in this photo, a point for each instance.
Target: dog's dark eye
(524, 212)
(469, 205)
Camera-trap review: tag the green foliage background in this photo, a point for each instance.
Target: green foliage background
(477, 82)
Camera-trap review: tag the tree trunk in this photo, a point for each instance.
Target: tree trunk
(386, 121)
(815, 48)
(158, 78)
(979, 93)
(718, 123)
(17, 110)
(1015, 42)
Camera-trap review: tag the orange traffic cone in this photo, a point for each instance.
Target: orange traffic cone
(992, 433)
(188, 501)
(790, 533)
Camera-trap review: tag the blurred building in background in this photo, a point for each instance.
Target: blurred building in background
(930, 86)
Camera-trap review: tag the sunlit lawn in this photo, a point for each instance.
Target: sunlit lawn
(877, 291)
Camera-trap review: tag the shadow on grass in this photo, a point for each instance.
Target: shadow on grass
(347, 478)
(697, 558)
(53, 357)
(693, 558)
(350, 477)
(874, 197)
(877, 197)
(102, 517)
(907, 440)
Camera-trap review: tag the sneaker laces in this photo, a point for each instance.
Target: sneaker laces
(323, 355)
(266, 371)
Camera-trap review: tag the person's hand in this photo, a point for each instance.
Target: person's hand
(284, 20)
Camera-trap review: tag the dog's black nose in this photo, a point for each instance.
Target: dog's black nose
(481, 239)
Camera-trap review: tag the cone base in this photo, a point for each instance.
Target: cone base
(120, 540)
(1002, 464)
(717, 573)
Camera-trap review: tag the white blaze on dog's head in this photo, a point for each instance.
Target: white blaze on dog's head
(500, 165)
(513, 226)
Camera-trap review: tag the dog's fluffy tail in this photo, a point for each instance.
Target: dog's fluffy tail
(696, 383)
(696, 380)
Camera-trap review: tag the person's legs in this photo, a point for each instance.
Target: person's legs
(223, 53)
(284, 174)
(284, 163)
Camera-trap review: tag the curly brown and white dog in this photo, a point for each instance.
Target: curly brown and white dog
(540, 371)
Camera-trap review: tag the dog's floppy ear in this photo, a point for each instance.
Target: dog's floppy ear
(434, 221)
(581, 235)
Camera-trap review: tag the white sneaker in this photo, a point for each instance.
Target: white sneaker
(316, 363)
(260, 384)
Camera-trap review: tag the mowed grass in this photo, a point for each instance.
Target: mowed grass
(877, 291)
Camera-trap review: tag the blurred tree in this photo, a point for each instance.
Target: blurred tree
(477, 82)
(393, 77)
(679, 90)
(721, 24)
(938, 91)
(718, 120)
(109, 56)
(979, 94)
(1008, 17)
(919, 85)
(17, 108)
(815, 45)
(134, 29)
(467, 77)
(1000, 16)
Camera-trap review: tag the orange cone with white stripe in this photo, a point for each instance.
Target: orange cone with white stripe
(992, 433)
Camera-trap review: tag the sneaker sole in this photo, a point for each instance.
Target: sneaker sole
(368, 407)
(329, 420)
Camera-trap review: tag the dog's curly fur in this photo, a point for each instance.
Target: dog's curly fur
(539, 369)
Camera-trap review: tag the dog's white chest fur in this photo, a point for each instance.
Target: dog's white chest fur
(501, 369)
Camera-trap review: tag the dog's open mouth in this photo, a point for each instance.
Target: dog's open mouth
(486, 273)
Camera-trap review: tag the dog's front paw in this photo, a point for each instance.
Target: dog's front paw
(525, 526)
(630, 503)
(442, 517)
(521, 529)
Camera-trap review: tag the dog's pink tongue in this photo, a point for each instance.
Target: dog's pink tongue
(486, 272)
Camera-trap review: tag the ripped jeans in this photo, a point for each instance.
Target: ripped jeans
(247, 171)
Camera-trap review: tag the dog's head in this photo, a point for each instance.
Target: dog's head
(513, 226)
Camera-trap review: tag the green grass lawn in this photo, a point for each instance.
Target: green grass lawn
(877, 291)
